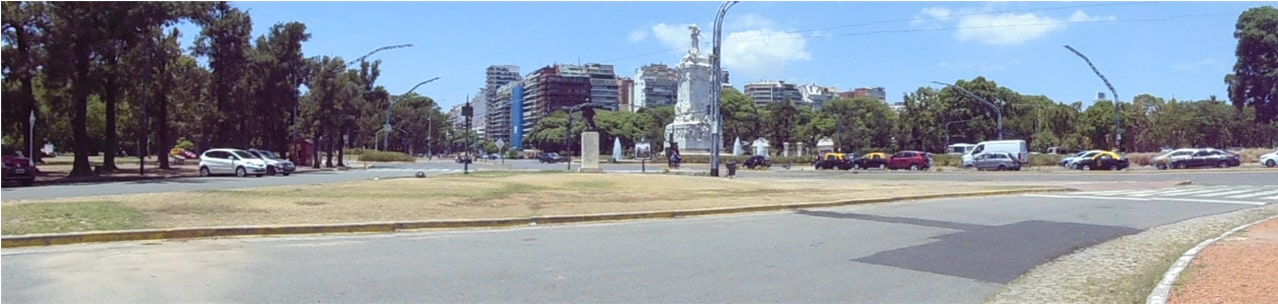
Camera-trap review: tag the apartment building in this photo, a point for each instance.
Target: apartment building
(604, 89)
(655, 85)
(497, 119)
(768, 92)
(816, 95)
(552, 88)
(871, 92)
(479, 122)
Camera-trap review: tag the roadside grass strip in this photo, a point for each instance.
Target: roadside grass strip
(71, 217)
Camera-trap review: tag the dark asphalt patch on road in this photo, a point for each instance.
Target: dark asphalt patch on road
(996, 254)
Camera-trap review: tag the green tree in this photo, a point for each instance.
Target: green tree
(783, 123)
(224, 40)
(1254, 81)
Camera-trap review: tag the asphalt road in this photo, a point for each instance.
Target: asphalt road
(948, 250)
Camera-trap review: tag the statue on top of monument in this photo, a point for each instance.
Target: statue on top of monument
(696, 39)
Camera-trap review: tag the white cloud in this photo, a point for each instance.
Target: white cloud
(638, 35)
(998, 28)
(1005, 29)
(1080, 16)
(752, 47)
(762, 52)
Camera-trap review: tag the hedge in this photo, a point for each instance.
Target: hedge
(385, 156)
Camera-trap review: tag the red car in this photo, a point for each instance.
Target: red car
(912, 160)
(17, 167)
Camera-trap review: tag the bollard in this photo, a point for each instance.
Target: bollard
(732, 169)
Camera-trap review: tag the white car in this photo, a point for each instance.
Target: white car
(231, 161)
(1164, 161)
(1066, 161)
(1269, 160)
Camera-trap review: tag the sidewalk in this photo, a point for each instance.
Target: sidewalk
(1241, 268)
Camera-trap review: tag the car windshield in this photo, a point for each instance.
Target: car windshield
(267, 154)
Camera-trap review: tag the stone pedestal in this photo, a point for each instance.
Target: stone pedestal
(590, 152)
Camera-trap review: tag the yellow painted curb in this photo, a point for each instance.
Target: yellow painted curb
(183, 233)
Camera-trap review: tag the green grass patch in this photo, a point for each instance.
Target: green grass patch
(385, 156)
(37, 218)
(595, 184)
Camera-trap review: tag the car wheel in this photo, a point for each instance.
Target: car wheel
(270, 170)
(1270, 163)
(1115, 168)
(882, 166)
(240, 172)
(914, 167)
(259, 175)
(27, 182)
(1222, 164)
(204, 171)
(856, 166)
(1178, 165)
(286, 174)
(1087, 167)
(1161, 166)
(1002, 168)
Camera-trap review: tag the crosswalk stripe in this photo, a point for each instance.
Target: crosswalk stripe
(1188, 190)
(1213, 194)
(1110, 192)
(1275, 197)
(1189, 193)
(1254, 194)
(1146, 199)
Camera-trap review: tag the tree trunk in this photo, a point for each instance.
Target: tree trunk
(28, 91)
(163, 142)
(315, 147)
(341, 150)
(328, 146)
(109, 97)
(80, 112)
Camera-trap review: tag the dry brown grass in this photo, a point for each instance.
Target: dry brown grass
(492, 196)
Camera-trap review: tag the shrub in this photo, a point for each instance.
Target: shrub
(354, 151)
(1141, 159)
(184, 144)
(385, 156)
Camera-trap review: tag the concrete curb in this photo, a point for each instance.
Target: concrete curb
(184, 233)
(1163, 290)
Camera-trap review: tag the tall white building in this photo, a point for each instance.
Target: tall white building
(768, 92)
(816, 95)
(655, 85)
(604, 88)
(497, 116)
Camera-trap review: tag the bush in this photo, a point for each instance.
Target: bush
(1141, 159)
(353, 151)
(385, 156)
(184, 144)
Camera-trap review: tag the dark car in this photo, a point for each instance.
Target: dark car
(833, 160)
(551, 157)
(17, 167)
(913, 160)
(758, 161)
(870, 160)
(1104, 160)
(1208, 158)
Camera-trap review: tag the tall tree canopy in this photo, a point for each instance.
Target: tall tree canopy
(1255, 78)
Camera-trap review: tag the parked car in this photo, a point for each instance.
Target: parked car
(757, 161)
(1104, 160)
(1065, 161)
(274, 163)
(17, 167)
(1208, 157)
(1269, 160)
(551, 157)
(1164, 161)
(997, 161)
(871, 160)
(231, 161)
(1016, 147)
(1086, 155)
(913, 160)
(833, 160)
(463, 160)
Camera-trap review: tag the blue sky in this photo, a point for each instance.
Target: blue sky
(1180, 49)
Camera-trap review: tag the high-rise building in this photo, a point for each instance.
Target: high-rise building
(655, 85)
(552, 88)
(767, 92)
(505, 96)
(479, 120)
(816, 95)
(625, 94)
(603, 85)
(871, 92)
(497, 120)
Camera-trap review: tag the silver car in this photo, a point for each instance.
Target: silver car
(231, 161)
(998, 161)
(274, 163)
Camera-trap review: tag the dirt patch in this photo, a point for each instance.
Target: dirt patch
(1237, 269)
(495, 196)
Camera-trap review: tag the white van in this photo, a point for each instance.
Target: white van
(959, 149)
(1015, 147)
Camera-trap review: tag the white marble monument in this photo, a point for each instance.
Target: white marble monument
(692, 123)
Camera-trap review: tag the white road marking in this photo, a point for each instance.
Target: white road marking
(1255, 194)
(1146, 199)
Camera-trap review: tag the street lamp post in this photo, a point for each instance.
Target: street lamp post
(387, 127)
(467, 111)
(982, 100)
(716, 134)
(1118, 127)
(31, 140)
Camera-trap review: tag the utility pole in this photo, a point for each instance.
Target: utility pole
(716, 134)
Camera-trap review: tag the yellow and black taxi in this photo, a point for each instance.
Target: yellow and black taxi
(871, 160)
(1102, 160)
(831, 160)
